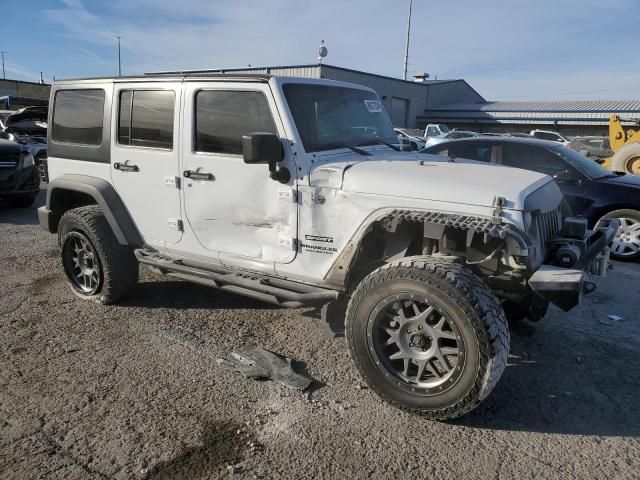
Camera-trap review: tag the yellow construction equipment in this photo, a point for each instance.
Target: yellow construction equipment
(625, 145)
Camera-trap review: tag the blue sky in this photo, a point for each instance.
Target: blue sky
(507, 50)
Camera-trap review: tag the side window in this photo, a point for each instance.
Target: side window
(223, 117)
(145, 118)
(481, 153)
(547, 136)
(532, 158)
(432, 131)
(78, 116)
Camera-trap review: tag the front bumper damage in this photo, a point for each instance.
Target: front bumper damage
(564, 286)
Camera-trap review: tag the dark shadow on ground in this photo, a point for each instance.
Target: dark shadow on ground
(22, 216)
(553, 385)
(180, 295)
(221, 445)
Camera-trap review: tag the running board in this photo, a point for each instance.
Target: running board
(261, 287)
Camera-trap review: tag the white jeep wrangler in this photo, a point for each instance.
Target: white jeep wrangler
(290, 191)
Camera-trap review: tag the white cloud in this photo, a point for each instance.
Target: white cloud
(503, 48)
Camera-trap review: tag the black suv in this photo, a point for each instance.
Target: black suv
(591, 190)
(19, 174)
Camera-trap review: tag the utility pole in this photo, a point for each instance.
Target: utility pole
(406, 49)
(4, 76)
(119, 58)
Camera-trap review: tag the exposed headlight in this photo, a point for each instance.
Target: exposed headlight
(28, 161)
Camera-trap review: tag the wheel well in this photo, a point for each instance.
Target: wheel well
(384, 242)
(62, 200)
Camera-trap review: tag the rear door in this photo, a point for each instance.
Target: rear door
(232, 207)
(144, 157)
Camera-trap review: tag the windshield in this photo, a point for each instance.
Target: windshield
(581, 163)
(444, 129)
(329, 117)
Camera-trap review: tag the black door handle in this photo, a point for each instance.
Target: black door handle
(198, 175)
(126, 167)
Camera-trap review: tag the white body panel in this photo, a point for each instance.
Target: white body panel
(244, 219)
(150, 194)
(241, 212)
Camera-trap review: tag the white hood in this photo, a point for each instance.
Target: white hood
(429, 177)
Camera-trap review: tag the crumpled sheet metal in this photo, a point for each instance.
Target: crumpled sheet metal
(257, 362)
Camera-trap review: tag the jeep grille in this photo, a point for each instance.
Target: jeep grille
(548, 224)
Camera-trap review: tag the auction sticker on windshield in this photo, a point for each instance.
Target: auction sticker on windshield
(374, 106)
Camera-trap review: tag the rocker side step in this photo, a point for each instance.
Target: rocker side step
(272, 290)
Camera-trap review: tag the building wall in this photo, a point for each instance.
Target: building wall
(24, 89)
(454, 91)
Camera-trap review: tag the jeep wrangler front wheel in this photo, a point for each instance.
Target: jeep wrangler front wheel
(97, 266)
(428, 336)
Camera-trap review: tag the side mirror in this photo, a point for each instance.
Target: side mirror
(565, 176)
(266, 148)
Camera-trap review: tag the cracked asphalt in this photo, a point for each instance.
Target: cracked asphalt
(134, 391)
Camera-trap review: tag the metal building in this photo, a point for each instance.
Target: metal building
(405, 101)
(21, 88)
(567, 117)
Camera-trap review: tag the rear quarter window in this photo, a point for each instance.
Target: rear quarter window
(78, 117)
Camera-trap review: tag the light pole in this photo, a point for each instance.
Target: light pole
(119, 58)
(4, 76)
(406, 48)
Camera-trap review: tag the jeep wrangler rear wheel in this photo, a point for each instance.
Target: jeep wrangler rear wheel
(428, 336)
(97, 266)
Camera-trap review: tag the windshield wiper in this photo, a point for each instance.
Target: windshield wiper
(359, 151)
(380, 142)
(336, 145)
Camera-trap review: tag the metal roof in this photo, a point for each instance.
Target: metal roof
(563, 106)
(270, 70)
(584, 112)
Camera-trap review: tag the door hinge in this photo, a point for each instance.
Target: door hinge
(175, 224)
(287, 195)
(172, 181)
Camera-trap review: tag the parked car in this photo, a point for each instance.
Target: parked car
(452, 135)
(591, 190)
(19, 174)
(549, 135)
(290, 191)
(435, 130)
(28, 127)
(3, 116)
(595, 148)
(411, 137)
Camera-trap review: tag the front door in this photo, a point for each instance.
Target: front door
(144, 157)
(232, 207)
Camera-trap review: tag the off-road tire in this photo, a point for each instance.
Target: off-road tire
(22, 201)
(118, 265)
(463, 295)
(627, 159)
(624, 213)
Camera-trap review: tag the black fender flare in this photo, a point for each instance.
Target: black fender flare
(105, 197)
